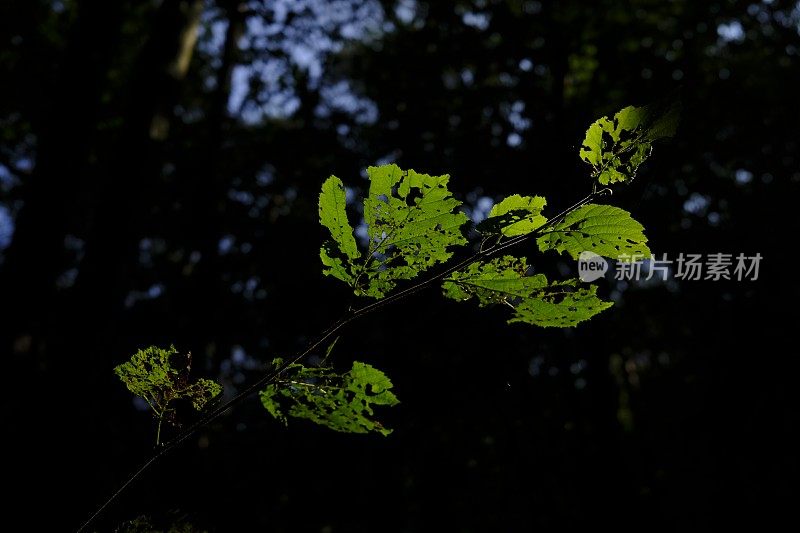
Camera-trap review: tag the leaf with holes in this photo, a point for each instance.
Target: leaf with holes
(616, 147)
(515, 215)
(342, 402)
(563, 304)
(152, 374)
(411, 226)
(339, 253)
(603, 229)
(411, 223)
(534, 299)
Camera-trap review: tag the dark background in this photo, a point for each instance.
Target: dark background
(158, 190)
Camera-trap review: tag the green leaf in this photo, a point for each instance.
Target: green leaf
(151, 374)
(515, 215)
(338, 254)
(616, 147)
(603, 229)
(497, 281)
(411, 226)
(342, 402)
(535, 300)
(563, 304)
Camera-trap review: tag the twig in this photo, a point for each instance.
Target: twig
(272, 375)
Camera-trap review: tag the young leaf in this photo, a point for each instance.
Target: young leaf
(338, 254)
(515, 215)
(535, 300)
(603, 229)
(411, 226)
(616, 147)
(342, 402)
(151, 374)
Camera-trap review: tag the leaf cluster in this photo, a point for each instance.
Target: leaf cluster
(414, 223)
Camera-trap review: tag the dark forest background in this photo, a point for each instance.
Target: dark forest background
(160, 163)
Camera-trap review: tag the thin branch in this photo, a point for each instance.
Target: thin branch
(273, 374)
(158, 431)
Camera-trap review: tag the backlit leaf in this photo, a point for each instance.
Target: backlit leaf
(153, 375)
(603, 229)
(515, 215)
(534, 299)
(616, 147)
(412, 223)
(338, 254)
(342, 402)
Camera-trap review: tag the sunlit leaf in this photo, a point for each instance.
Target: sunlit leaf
(515, 215)
(603, 229)
(342, 402)
(616, 147)
(534, 299)
(151, 374)
(338, 254)
(411, 223)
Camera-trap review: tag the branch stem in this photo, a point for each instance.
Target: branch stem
(158, 429)
(272, 375)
